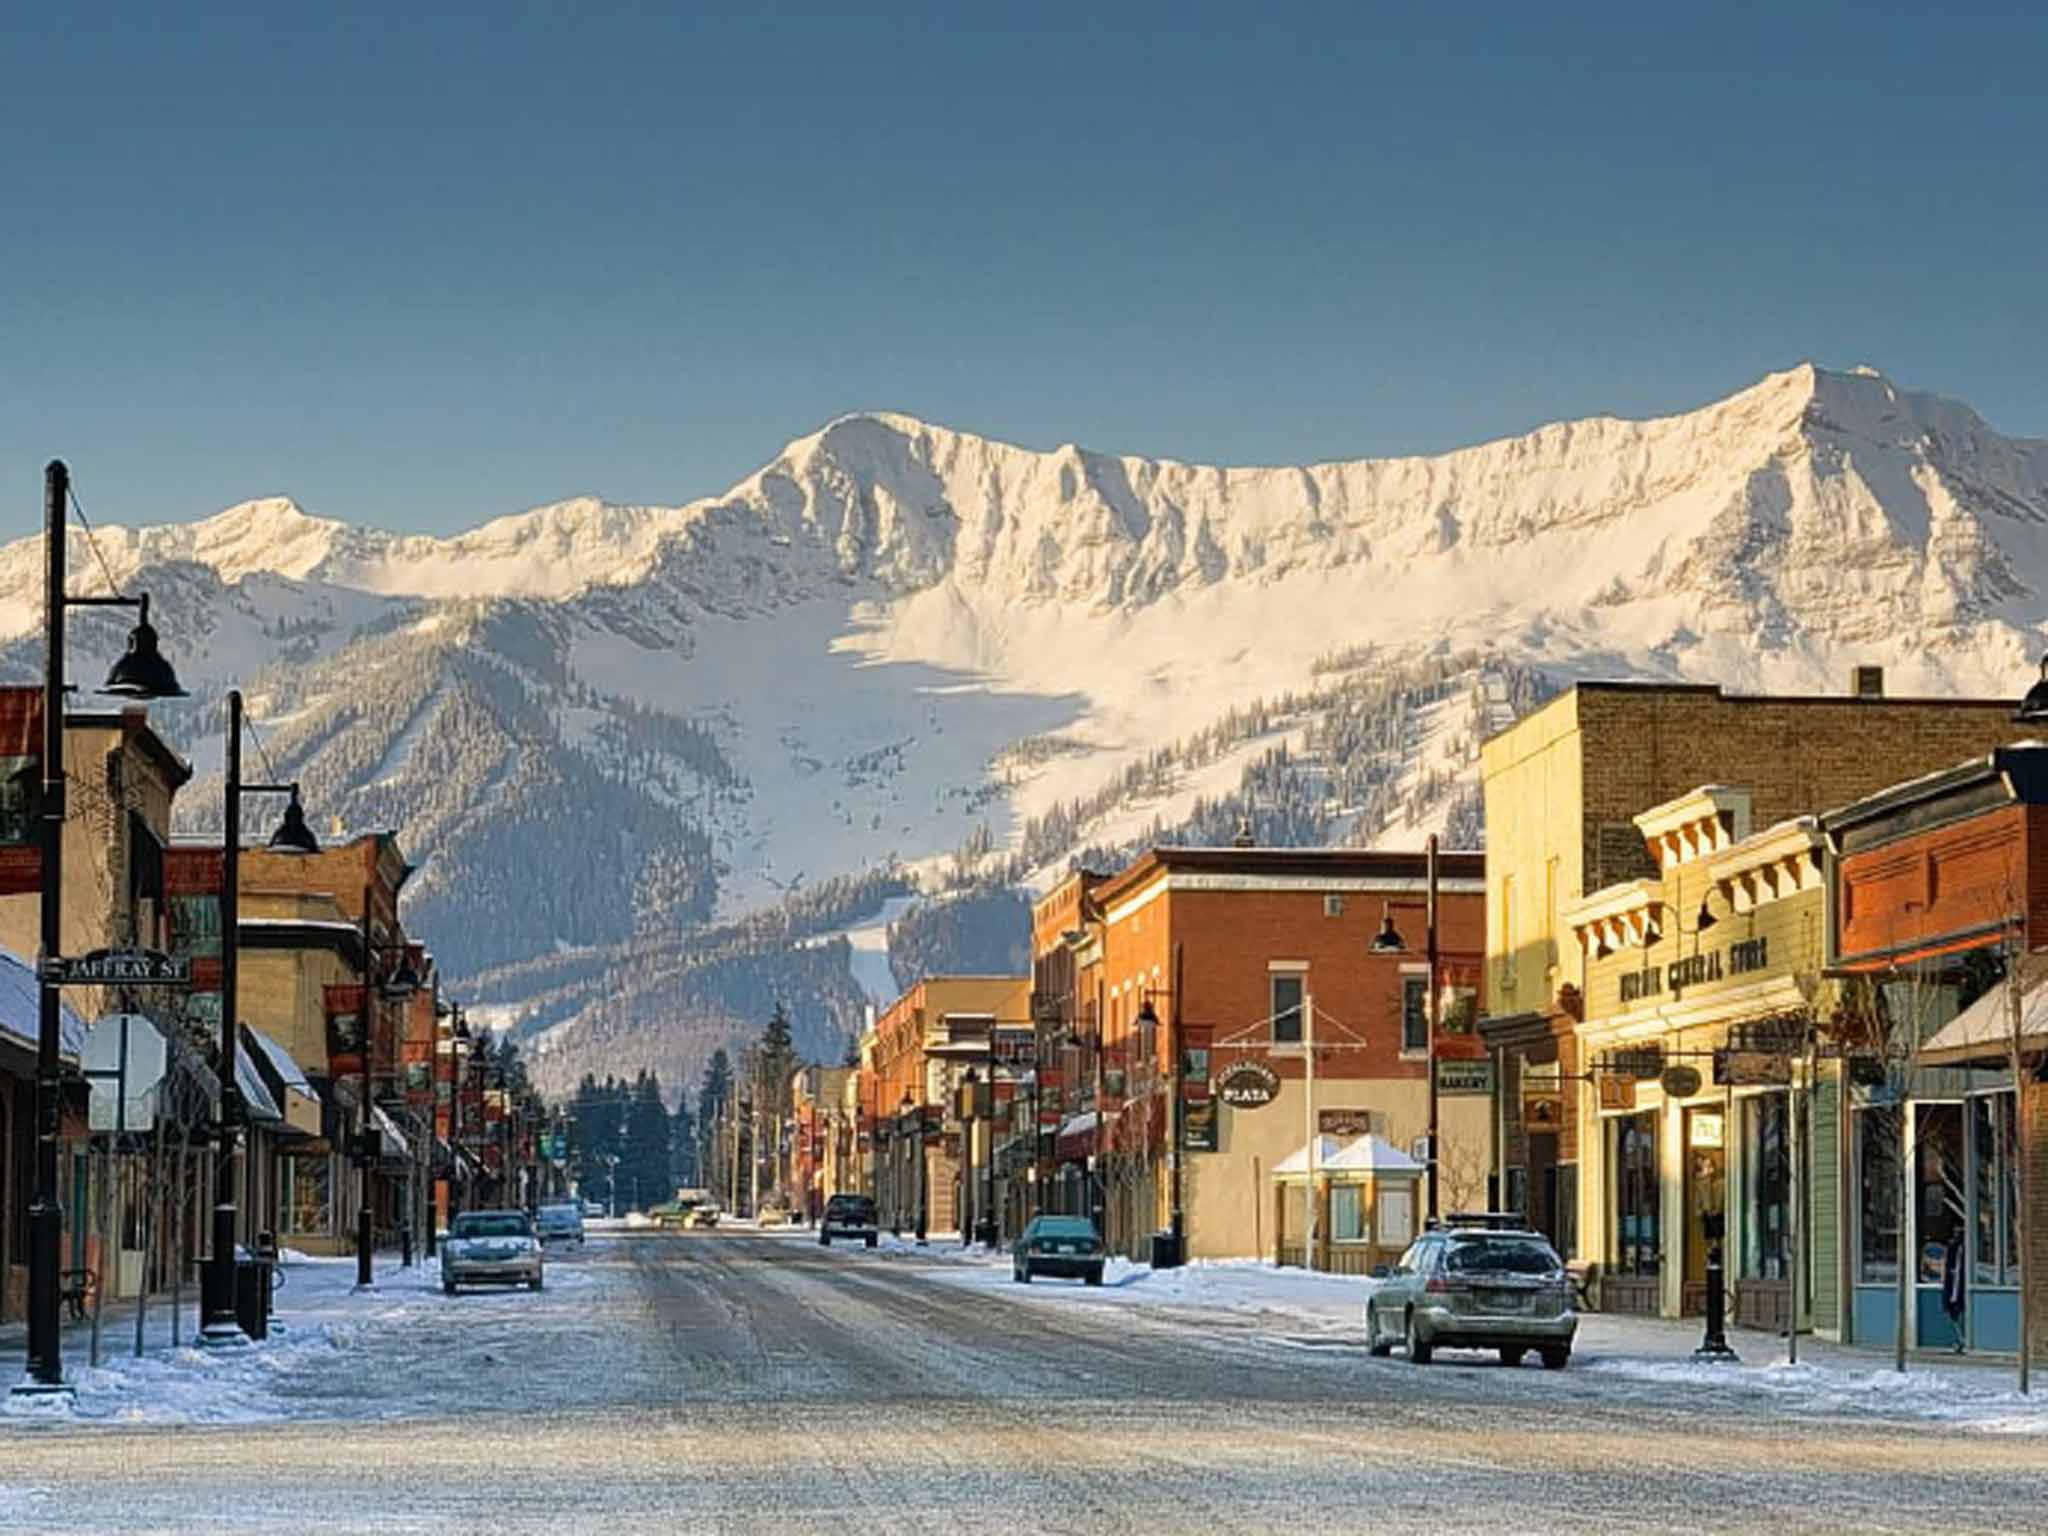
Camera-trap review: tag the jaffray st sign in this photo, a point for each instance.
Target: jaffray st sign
(119, 968)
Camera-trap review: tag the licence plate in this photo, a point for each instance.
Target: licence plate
(1505, 1301)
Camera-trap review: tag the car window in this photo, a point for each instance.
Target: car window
(1410, 1261)
(1064, 1226)
(1521, 1254)
(492, 1224)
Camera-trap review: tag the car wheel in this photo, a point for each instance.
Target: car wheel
(1094, 1276)
(1419, 1350)
(534, 1283)
(447, 1287)
(824, 1241)
(1557, 1357)
(1375, 1345)
(871, 1242)
(1511, 1355)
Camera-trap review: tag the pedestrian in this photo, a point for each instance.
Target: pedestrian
(1955, 1285)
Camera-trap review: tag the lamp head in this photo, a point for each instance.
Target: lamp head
(292, 834)
(142, 672)
(1388, 940)
(2034, 707)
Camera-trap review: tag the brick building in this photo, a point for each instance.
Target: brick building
(1564, 788)
(1941, 914)
(1251, 955)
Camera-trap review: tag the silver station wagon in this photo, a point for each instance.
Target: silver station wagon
(1478, 1282)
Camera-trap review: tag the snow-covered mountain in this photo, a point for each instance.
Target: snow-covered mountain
(898, 643)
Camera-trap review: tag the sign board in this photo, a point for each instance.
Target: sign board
(1752, 1069)
(1680, 1082)
(1248, 1085)
(1345, 1122)
(1616, 1092)
(1644, 1063)
(1542, 1095)
(1464, 1079)
(1198, 1129)
(119, 968)
(124, 1059)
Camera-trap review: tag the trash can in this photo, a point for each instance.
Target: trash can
(1165, 1250)
(252, 1294)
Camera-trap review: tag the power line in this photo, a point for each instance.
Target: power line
(91, 542)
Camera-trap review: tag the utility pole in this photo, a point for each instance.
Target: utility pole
(1308, 1110)
(1176, 1153)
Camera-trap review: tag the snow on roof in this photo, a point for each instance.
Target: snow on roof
(1363, 1154)
(1296, 1161)
(1983, 1031)
(21, 1008)
(395, 1144)
(255, 1092)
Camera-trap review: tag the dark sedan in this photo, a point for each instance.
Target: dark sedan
(1057, 1245)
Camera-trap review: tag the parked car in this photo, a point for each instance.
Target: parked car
(1478, 1282)
(774, 1216)
(491, 1248)
(593, 1210)
(849, 1216)
(561, 1221)
(1057, 1245)
(702, 1216)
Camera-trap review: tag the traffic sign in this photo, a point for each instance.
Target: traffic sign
(119, 968)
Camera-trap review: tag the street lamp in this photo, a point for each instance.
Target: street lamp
(398, 987)
(218, 1323)
(140, 674)
(916, 1142)
(1389, 941)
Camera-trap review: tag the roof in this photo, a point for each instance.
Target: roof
(1398, 868)
(288, 1071)
(1363, 1154)
(2017, 772)
(21, 1009)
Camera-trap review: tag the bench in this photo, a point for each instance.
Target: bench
(78, 1290)
(1582, 1275)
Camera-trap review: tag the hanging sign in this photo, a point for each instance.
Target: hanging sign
(1198, 1130)
(345, 1038)
(1616, 1092)
(1248, 1085)
(1680, 1082)
(1752, 1069)
(1465, 1079)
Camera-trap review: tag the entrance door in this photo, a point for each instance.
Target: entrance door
(1706, 1190)
(1542, 1197)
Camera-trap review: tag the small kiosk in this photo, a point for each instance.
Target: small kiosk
(1365, 1192)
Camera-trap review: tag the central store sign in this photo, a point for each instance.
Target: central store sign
(1738, 959)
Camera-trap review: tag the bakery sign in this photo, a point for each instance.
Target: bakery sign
(1248, 1085)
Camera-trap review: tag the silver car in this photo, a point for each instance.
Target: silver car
(491, 1248)
(1484, 1282)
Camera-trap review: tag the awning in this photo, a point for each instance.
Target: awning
(1982, 1032)
(255, 1092)
(289, 1086)
(21, 1009)
(1295, 1163)
(1076, 1139)
(392, 1144)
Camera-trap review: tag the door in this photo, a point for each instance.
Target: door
(1542, 1191)
(1706, 1202)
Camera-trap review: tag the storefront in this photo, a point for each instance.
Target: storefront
(1706, 1082)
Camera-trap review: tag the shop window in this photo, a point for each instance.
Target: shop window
(1286, 997)
(21, 782)
(1638, 1228)
(1941, 1197)
(1877, 1185)
(1415, 1013)
(308, 1194)
(1994, 1165)
(1347, 1214)
(1765, 1215)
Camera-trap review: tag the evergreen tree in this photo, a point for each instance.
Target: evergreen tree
(644, 1176)
(682, 1148)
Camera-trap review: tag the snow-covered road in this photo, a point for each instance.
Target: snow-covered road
(734, 1380)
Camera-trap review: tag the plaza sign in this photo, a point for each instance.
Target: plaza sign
(1248, 1085)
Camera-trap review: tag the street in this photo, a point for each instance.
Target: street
(738, 1381)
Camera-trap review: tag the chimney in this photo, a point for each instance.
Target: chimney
(1866, 682)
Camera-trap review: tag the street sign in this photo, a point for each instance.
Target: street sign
(119, 968)
(1459, 1079)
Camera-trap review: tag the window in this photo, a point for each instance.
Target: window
(1347, 1214)
(1638, 1230)
(1397, 1216)
(21, 782)
(1415, 1013)
(1333, 906)
(1877, 1185)
(307, 1184)
(1286, 993)
(1941, 1199)
(1765, 1216)
(1993, 1160)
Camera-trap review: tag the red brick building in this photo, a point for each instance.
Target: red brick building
(1252, 956)
(1941, 908)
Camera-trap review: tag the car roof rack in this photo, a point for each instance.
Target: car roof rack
(1487, 1221)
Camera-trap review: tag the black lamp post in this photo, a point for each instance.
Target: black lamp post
(218, 1323)
(140, 674)
(1389, 941)
(401, 985)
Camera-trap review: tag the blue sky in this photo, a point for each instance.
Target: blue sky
(424, 270)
